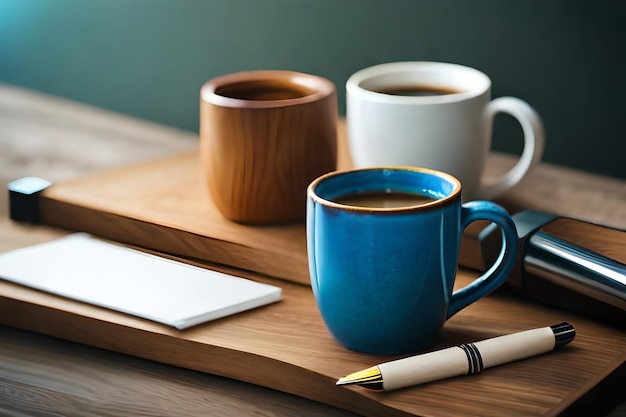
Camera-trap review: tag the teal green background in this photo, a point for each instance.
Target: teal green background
(149, 58)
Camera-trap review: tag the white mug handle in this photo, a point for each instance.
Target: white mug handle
(534, 139)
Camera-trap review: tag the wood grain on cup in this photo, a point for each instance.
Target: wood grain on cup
(264, 136)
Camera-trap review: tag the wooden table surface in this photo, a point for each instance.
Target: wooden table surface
(61, 140)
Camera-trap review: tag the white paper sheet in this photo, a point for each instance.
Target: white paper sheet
(93, 271)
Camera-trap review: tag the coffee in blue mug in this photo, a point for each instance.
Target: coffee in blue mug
(383, 246)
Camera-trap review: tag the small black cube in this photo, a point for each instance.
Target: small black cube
(24, 198)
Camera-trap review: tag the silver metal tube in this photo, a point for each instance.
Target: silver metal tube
(576, 268)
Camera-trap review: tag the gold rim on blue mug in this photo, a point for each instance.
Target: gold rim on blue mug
(383, 246)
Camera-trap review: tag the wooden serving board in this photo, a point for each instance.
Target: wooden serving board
(164, 206)
(285, 346)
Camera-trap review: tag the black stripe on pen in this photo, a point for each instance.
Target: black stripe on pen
(474, 358)
(563, 334)
(478, 359)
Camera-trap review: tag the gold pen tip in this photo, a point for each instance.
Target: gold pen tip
(369, 378)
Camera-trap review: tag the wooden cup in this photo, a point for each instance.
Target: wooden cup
(264, 136)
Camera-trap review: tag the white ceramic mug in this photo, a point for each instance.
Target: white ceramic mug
(435, 115)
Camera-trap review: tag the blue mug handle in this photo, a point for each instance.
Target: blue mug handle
(495, 276)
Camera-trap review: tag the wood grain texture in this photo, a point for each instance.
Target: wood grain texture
(285, 346)
(39, 380)
(50, 137)
(263, 140)
(172, 212)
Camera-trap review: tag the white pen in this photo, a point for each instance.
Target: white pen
(465, 359)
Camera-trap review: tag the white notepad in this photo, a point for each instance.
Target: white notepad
(116, 277)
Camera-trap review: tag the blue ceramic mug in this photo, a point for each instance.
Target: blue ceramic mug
(383, 246)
